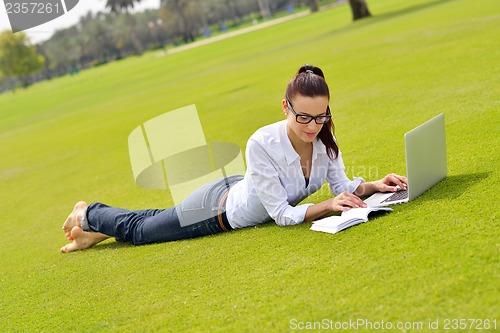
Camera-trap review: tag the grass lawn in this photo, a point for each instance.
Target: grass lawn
(434, 259)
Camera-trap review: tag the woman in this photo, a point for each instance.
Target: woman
(286, 162)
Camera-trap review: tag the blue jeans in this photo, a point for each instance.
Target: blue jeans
(201, 213)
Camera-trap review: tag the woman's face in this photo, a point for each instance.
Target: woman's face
(307, 106)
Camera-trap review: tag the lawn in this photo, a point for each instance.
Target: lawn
(431, 261)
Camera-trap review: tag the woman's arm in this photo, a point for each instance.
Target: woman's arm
(346, 200)
(339, 203)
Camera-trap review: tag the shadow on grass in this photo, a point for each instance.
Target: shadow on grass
(453, 186)
(234, 90)
(410, 10)
(387, 16)
(111, 245)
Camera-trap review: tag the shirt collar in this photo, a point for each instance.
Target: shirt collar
(290, 153)
(318, 148)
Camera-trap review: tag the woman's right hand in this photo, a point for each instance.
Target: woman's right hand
(346, 201)
(342, 202)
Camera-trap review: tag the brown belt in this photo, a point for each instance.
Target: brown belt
(221, 213)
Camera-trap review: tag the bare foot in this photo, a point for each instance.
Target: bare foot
(82, 239)
(74, 219)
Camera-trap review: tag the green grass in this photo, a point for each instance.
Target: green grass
(435, 258)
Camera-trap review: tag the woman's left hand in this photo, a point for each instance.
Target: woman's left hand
(392, 183)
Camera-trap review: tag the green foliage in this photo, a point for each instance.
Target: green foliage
(117, 6)
(435, 258)
(17, 57)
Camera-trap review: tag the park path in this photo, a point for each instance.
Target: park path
(243, 31)
(236, 33)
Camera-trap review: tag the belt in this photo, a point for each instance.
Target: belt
(221, 214)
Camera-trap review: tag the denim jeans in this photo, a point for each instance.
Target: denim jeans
(201, 213)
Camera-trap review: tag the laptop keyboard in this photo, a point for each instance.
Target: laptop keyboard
(400, 195)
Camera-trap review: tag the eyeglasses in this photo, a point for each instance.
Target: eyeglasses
(306, 119)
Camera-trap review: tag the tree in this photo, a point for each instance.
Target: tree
(125, 35)
(65, 50)
(359, 9)
(118, 6)
(313, 5)
(186, 17)
(18, 58)
(265, 8)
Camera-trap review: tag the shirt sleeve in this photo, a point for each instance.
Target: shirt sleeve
(337, 179)
(264, 174)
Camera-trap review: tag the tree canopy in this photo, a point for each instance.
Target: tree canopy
(118, 6)
(17, 57)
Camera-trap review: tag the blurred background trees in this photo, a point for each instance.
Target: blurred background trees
(18, 58)
(98, 38)
(118, 6)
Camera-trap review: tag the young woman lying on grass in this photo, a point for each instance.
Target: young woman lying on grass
(286, 162)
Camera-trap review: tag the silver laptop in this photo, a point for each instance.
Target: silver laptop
(425, 148)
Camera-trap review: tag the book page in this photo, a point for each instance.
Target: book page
(330, 222)
(361, 213)
(347, 219)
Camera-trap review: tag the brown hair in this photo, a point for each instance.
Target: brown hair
(310, 82)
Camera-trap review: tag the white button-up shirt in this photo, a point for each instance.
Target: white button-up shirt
(274, 182)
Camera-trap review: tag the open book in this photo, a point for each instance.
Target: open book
(349, 218)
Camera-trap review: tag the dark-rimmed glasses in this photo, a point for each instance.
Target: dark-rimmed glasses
(306, 119)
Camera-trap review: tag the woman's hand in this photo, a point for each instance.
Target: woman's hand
(391, 183)
(340, 203)
(346, 201)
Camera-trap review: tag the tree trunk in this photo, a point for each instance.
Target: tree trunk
(265, 9)
(313, 5)
(359, 9)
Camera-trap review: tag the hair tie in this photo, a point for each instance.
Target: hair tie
(309, 71)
